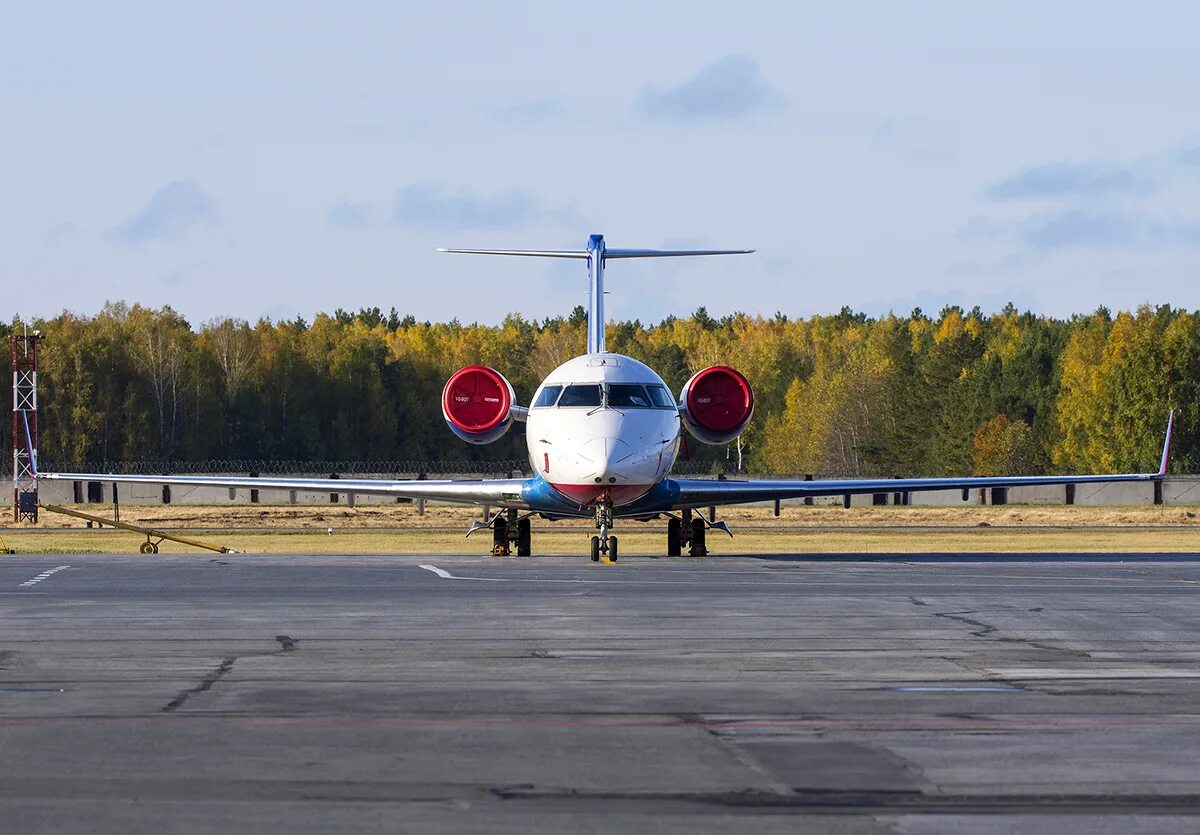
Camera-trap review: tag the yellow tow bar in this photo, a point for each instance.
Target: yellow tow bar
(150, 546)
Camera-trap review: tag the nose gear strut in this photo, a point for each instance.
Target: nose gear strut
(605, 543)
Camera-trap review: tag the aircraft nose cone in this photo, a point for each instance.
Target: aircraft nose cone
(605, 455)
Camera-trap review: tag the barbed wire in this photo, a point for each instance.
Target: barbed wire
(500, 468)
(286, 467)
(413, 469)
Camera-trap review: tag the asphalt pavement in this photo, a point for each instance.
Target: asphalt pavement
(909, 694)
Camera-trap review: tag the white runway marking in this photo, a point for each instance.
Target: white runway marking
(958, 689)
(446, 575)
(44, 575)
(1050, 673)
(685, 579)
(701, 579)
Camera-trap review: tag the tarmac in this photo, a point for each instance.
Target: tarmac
(420, 693)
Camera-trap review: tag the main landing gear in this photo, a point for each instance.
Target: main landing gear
(605, 543)
(507, 531)
(689, 530)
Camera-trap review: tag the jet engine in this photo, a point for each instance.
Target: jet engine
(477, 403)
(716, 404)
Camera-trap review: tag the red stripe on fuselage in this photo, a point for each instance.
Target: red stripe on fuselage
(588, 494)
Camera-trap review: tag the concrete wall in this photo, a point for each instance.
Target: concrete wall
(1176, 490)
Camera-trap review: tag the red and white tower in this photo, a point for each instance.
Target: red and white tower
(25, 425)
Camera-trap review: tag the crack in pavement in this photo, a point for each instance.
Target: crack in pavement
(286, 644)
(985, 629)
(206, 683)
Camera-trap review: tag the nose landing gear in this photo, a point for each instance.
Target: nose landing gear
(605, 543)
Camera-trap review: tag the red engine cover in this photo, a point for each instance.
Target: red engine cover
(719, 403)
(477, 400)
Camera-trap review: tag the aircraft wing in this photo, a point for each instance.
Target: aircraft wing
(500, 492)
(695, 492)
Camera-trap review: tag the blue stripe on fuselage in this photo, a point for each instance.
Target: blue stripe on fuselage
(661, 497)
(543, 498)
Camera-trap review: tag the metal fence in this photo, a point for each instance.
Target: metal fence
(263, 467)
(409, 469)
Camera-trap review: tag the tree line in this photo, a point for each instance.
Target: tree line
(848, 394)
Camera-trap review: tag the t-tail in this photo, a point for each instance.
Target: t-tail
(596, 255)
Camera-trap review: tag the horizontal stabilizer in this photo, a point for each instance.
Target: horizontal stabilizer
(608, 253)
(670, 253)
(528, 253)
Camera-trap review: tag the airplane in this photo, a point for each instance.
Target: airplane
(603, 432)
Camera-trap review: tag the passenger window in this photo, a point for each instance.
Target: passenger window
(661, 398)
(580, 395)
(627, 396)
(548, 396)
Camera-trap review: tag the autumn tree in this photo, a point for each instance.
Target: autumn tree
(1003, 446)
(158, 345)
(231, 345)
(845, 394)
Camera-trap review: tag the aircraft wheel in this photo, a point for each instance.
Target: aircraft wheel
(674, 537)
(524, 538)
(500, 538)
(148, 548)
(595, 549)
(612, 548)
(697, 548)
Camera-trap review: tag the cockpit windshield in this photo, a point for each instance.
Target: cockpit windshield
(660, 397)
(547, 397)
(627, 396)
(580, 395)
(611, 395)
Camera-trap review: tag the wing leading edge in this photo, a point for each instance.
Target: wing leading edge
(695, 492)
(501, 492)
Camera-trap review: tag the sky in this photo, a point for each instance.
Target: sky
(278, 159)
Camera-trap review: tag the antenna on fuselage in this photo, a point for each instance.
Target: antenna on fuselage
(597, 254)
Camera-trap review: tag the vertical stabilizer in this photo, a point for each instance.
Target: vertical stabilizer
(596, 320)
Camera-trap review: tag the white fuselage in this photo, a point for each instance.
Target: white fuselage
(612, 432)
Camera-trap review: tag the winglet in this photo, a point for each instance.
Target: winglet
(1162, 467)
(29, 450)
